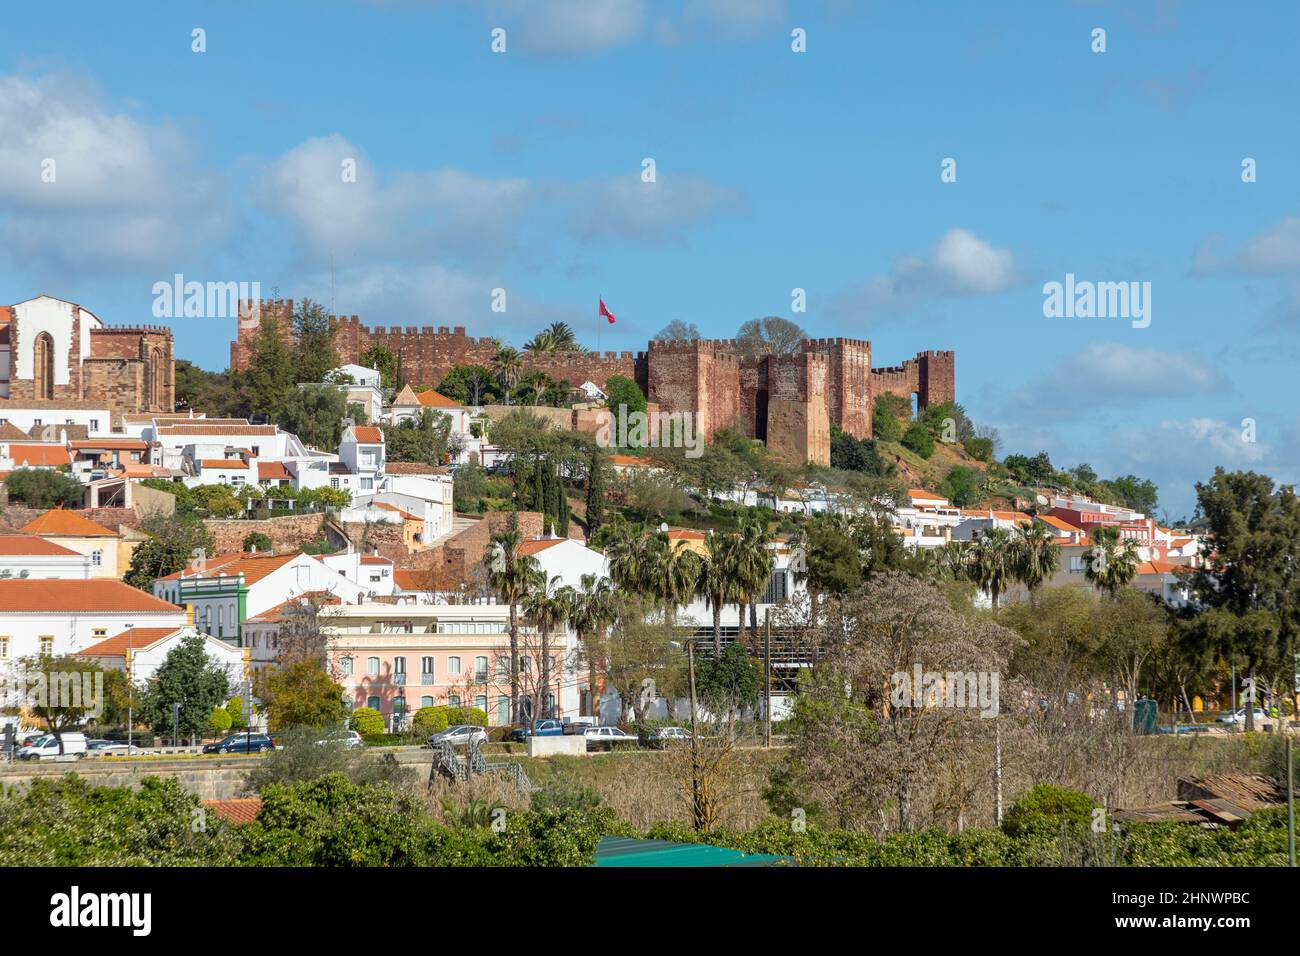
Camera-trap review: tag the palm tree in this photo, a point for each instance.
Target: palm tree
(508, 575)
(671, 573)
(625, 548)
(992, 561)
(561, 335)
(1111, 562)
(547, 606)
(753, 565)
(591, 612)
(1037, 556)
(541, 342)
(718, 584)
(508, 364)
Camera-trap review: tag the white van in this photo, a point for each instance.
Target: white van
(47, 747)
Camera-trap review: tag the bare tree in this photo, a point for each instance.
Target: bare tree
(772, 335)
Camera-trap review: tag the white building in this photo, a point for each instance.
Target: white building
(228, 589)
(31, 556)
(61, 617)
(140, 651)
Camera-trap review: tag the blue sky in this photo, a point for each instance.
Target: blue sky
(775, 171)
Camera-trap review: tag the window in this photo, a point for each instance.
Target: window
(426, 701)
(4, 648)
(453, 700)
(97, 558)
(503, 667)
(426, 670)
(367, 484)
(481, 702)
(345, 666)
(375, 578)
(100, 633)
(503, 710)
(480, 668)
(372, 666)
(257, 451)
(399, 665)
(94, 424)
(334, 482)
(372, 703)
(453, 665)
(43, 373)
(47, 646)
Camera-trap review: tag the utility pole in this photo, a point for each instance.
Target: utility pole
(176, 718)
(1290, 802)
(695, 740)
(997, 767)
(767, 681)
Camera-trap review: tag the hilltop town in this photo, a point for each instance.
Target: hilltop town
(398, 532)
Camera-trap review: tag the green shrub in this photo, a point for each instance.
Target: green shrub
(367, 721)
(1046, 805)
(257, 541)
(219, 722)
(917, 438)
(235, 711)
(429, 720)
(979, 448)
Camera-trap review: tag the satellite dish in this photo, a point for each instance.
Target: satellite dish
(663, 526)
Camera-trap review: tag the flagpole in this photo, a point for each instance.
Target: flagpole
(598, 318)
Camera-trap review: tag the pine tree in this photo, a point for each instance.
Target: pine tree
(595, 491)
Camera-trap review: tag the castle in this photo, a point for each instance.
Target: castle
(788, 401)
(56, 353)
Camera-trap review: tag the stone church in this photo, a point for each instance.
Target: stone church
(56, 352)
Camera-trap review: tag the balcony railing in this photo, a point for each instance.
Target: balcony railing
(426, 678)
(400, 678)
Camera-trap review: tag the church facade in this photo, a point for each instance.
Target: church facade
(57, 352)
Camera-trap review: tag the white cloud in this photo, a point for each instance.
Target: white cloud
(445, 210)
(1275, 251)
(624, 207)
(124, 191)
(960, 264)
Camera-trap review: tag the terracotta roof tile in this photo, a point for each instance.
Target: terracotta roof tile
(223, 463)
(537, 545)
(40, 455)
(272, 471)
(134, 638)
(59, 522)
(368, 434)
(30, 544)
(96, 594)
(431, 399)
(413, 580)
(238, 811)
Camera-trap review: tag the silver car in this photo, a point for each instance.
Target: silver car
(459, 735)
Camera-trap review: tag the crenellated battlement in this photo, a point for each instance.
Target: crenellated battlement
(715, 378)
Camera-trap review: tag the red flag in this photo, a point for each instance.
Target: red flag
(606, 313)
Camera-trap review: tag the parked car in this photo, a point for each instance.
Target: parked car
(241, 744)
(670, 734)
(1238, 716)
(115, 748)
(458, 735)
(47, 746)
(350, 740)
(546, 727)
(598, 737)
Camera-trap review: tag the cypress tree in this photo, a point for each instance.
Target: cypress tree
(595, 491)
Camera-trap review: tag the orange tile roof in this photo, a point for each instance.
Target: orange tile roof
(223, 463)
(686, 534)
(135, 469)
(68, 597)
(253, 567)
(274, 615)
(374, 559)
(405, 514)
(928, 495)
(59, 522)
(1156, 566)
(210, 429)
(237, 811)
(272, 471)
(213, 563)
(30, 544)
(368, 434)
(134, 638)
(409, 580)
(1056, 522)
(537, 545)
(40, 455)
(116, 444)
(431, 399)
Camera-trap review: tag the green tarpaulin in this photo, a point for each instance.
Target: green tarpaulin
(625, 851)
